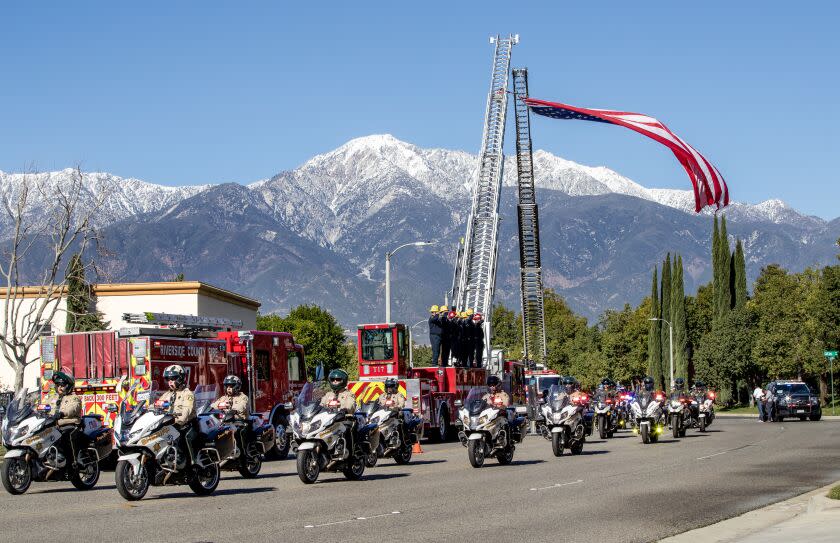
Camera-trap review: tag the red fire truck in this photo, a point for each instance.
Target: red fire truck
(430, 391)
(270, 364)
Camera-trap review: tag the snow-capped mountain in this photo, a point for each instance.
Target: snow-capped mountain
(318, 233)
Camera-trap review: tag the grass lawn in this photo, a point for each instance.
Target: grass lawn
(739, 410)
(834, 493)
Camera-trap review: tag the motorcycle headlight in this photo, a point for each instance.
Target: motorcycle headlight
(557, 417)
(675, 403)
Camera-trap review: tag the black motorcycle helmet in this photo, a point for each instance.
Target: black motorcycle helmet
(233, 381)
(338, 379)
(60, 378)
(391, 385)
(569, 383)
(647, 383)
(679, 383)
(175, 373)
(494, 383)
(699, 385)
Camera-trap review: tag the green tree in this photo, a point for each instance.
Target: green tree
(81, 313)
(320, 334)
(716, 267)
(723, 291)
(567, 334)
(624, 341)
(678, 318)
(726, 354)
(507, 331)
(822, 308)
(665, 313)
(422, 356)
(740, 276)
(654, 367)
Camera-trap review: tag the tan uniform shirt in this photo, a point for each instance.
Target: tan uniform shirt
(69, 409)
(181, 404)
(346, 400)
(397, 401)
(500, 398)
(238, 404)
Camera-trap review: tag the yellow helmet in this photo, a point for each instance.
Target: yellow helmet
(470, 312)
(434, 309)
(463, 314)
(443, 307)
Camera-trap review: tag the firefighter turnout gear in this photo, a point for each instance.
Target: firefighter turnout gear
(435, 335)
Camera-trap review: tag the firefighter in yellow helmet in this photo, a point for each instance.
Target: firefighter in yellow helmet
(435, 334)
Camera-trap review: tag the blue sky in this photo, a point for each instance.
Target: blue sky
(187, 93)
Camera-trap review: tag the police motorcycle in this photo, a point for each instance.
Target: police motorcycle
(605, 413)
(487, 430)
(321, 433)
(252, 439)
(647, 413)
(679, 410)
(395, 434)
(702, 406)
(150, 446)
(564, 424)
(36, 452)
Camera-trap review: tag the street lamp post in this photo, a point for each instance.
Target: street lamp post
(388, 274)
(670, 346)
(411, 343)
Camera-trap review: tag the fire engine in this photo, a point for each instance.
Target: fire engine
(270, 364)
(431, 391)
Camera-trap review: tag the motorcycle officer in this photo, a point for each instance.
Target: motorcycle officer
(345, 399)
(181, 404)
(67, 408)
(235, 400)
(495, 395)
(391, 398)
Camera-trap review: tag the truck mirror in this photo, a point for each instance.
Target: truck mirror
(288, 406)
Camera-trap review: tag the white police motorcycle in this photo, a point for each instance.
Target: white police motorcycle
(564, 425)
(647, 415)
(321, 433)
(395, 433)
(486, 430)
(150, 446)
(32, 438)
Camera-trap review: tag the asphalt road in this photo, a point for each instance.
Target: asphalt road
(618, 489)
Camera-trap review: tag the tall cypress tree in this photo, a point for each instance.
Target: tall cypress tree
(678, 318)
(740, 281)
(81, 315)
(654, 341)
(715, 269)
(665, 310)
(724, 292)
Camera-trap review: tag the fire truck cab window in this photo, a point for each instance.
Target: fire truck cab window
(262, 363)
(378, 344)
(296, 370)
(401, 341)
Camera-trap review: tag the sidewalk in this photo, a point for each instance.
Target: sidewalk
(811, 517)
(755, 416)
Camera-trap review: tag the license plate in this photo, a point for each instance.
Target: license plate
(800, 411)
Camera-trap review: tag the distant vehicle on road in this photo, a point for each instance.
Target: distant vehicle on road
(794, 399)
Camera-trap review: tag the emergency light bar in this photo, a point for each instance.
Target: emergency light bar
(181, 321)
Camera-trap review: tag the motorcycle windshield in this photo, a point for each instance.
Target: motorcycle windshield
(204, 397)
(475, 403)
(369, 408)
(558, 398)
(129, 414)
(644, 399)
(20, 407)
(308, 402)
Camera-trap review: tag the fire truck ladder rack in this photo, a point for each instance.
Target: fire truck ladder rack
(183, 322)
(476, 270)
(530, 271)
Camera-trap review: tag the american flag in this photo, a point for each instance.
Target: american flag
(709, 186)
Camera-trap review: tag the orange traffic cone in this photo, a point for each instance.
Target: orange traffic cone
(417, 449)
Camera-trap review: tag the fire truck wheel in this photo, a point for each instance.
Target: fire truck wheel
(443, 431)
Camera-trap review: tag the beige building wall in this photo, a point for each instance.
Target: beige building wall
(185, 298)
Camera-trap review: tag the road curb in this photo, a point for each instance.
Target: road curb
(737, 528)
(832, 418)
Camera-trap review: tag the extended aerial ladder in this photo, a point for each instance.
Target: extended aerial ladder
(475, 271)
(530, 271)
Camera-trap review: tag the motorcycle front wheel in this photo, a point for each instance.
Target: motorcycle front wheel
(87, 475)
(16, 475)
(602, 426)
(475, 452)
(577, 447)
(675, 425)
(702, 424)
(505, 456)
(131, 487)
(308, 467)
(556, 444)
(645, 431)
(205, 480)
(355, 470)
(403, 456)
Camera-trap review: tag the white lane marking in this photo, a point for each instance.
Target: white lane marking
(711, 455)
(558, 485)
(730, 450)
(357, 519)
